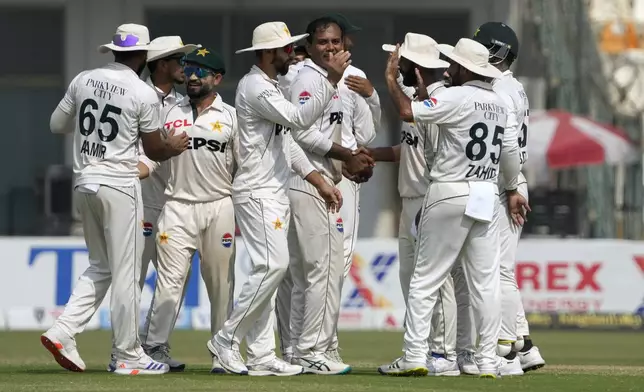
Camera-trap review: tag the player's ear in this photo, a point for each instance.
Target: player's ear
(218, 78)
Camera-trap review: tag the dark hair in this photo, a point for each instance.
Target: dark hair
(127, 56)
(152, 66)
(321, 24)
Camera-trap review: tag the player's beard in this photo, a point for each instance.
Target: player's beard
(202, 92)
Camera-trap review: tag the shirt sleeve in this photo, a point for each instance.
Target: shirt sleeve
(374, 106)
(299, 162)
(269, 103)
(442, 108)
(150, 118)
(310, 139)
(61, 122)
(510, 161)
(364, 127)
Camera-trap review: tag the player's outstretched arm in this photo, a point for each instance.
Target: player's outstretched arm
(386, 154)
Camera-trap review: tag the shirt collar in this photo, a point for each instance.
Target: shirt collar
(434, 86)
(310, 63)
(160, 92)
(257, 70)
(120, 66)
(479, 84)
(217, 104)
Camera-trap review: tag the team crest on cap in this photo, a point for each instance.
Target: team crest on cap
(304, 97)
(147, 229)
(430, 103)
(286, 30)
(202, 52)
(227, 240)
(339, 224)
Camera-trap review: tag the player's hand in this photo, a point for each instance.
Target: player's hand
(332, 196)
(421, 89)
(359, 162)
(337, 64)
(392, 64)
(358, 178)
(359, 85)
(177, 143)
(518, 207)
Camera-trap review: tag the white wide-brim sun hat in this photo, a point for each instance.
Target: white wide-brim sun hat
(420, 49)
(471, 55)
(170, 45)
(128, 38)
(272, 35)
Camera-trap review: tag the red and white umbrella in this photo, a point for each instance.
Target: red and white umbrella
(559, 140)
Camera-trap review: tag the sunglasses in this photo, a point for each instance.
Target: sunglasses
(197, 71)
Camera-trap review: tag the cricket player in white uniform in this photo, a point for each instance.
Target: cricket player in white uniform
(109, 109)
(460, 204)
(198, 214)
(315, 234)
(418, 144)
(503, 46)
(165, 72)
(265, 154)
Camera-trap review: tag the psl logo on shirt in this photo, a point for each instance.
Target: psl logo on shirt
(430, 103)
(304, 97)
(227, 240)
(147, 229)
(339, 224)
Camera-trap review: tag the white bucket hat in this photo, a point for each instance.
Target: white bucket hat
(420, 49)
(128, 37)
(473, 56)
(168, 46)
(271, 35)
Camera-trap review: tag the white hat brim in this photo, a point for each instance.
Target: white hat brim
(489, 70)
(185, 49)
(273, 44)
(111, 47)
(423, 61)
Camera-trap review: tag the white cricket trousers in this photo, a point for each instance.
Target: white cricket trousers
(513, 322)
(442, 339)
(151, 219)
(184, 228)
(112, 229)
(350, 214)
(315, 241)
(446, 234)
(263, 225)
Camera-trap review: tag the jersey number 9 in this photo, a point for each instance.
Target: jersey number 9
(87, 116)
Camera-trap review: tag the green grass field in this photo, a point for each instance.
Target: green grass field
(576, 361)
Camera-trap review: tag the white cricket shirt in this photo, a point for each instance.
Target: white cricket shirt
(317, 140)
(111, 105)
(266, 151)
(418, 145)
(518, 118)
(358, 125)
(471, 120)
(153, 187)
(204, 172)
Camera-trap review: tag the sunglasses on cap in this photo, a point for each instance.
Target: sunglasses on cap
(199, 72)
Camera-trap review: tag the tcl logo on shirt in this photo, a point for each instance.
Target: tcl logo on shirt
(559, 276)
(212, 145)
(177, 124)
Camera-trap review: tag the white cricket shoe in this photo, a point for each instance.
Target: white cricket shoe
(493, 371)
(275, 367)
(442, 367)
(63, 348)
(401, 368)
(144, 366)
(162, 354)
(531, 359)
(511, 367)
(230, 359)
(321, 364)
(467, 364)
